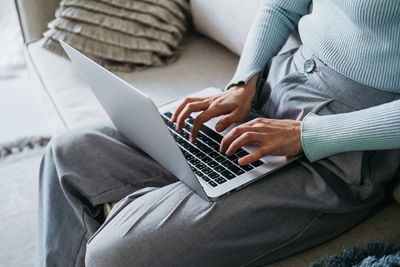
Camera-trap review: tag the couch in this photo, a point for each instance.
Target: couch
(209, 57)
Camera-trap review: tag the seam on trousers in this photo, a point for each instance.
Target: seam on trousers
(287, 242)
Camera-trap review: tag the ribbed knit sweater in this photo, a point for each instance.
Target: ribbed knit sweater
(359, 39)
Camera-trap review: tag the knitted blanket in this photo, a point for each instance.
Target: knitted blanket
(376, 254)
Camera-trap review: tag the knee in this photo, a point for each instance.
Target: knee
(103, 252)
(72, 143)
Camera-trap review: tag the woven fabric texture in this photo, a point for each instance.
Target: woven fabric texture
(120, 35)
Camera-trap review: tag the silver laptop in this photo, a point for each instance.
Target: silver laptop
(200, 166)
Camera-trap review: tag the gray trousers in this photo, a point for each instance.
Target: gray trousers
(158, 221)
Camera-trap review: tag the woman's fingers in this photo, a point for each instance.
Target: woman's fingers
(188, 109)
(227, 120)
(245, 138)
(208, 114)
(256, 155)
(183, 105)
(235, 133)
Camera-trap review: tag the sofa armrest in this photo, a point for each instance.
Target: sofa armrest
(33, 17)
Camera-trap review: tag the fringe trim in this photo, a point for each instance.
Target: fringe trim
(158, 12)
(170, 5)
(118, 20)
(113, 65)
(22, 144)
(103, 50)
(110, 37)
(130, 27)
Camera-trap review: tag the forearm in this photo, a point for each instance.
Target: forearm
(375, 128)
(271, 28)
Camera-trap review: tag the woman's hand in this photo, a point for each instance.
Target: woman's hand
(235, 104)
(275, 137)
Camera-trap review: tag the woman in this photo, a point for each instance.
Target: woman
(336, 99)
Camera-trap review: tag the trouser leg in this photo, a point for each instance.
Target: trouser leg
(81, 170)
(172, 226)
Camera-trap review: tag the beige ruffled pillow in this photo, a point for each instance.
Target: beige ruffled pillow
(120, 34)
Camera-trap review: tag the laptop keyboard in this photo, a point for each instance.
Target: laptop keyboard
(204, 158)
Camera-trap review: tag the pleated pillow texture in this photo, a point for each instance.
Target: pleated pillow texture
(120, 35)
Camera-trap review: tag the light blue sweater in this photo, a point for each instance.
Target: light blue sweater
(359, 39)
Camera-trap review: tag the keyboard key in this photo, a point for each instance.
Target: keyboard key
(212, 183)
(226, 163)
(187, 146)
(201, 155)
(200, 135)
(207, 159)
(168, 114)
(236, 170)
(199, 173)
(187, 127)
(193, 150)
(194, 161)
(213, 164)
(247, 167)
(214, 175)
(185, 135)
(215, 146)
(190, 119)
(220, 159)
(220, 180)
(206, 170)
(233, 157)
(188, 157)
(200, 166)
(213, 154)
(202, 146)
(219, 169)
(205, 178)
(206, 140)
(241, 153)
(207, 150)
(211, 133)
(228, 175)
(257, 163)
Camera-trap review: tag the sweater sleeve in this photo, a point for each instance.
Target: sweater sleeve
(272, 26)
(375, 128)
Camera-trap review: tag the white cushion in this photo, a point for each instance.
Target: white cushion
(226, 21)
(69, 102)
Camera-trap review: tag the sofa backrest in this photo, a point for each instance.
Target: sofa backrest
(225, 21)
(33, 16)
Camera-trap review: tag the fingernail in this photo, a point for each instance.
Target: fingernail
(219, 127)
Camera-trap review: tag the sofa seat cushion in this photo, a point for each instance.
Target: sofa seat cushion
(203, 63)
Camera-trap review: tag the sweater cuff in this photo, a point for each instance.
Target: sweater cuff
(374, 128)
(314, 146)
